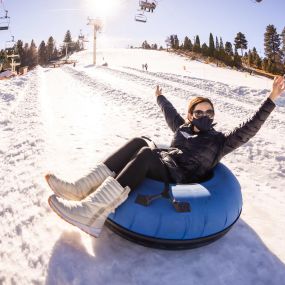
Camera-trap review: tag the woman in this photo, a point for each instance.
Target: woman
(195, 149)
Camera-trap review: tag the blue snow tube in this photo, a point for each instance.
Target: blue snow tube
(216, 205)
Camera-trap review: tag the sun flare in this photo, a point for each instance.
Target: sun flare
(103, 8)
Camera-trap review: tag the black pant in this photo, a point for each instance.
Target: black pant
(134, 161)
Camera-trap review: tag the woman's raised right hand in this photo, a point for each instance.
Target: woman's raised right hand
(158, 91)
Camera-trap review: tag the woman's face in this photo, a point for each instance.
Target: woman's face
(201, 110)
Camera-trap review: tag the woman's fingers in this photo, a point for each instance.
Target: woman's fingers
(276, 79)
(278, 82)
(158, 90)
(280, 79)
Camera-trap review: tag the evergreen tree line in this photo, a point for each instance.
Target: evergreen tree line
(146, 45)
(274, 50)
(31, 55)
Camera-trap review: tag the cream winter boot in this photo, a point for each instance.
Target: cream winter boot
(90, 214)
(81, 188)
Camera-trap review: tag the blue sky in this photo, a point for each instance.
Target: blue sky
(38, 19)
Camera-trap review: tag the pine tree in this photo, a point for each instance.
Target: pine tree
(32, 55)
(272, 45)
(168, 43)
(50, 48)
(77, 46)
(250, 60)
(256, 58)
(145, 45)
(205, 49)
(237, 60)
(25, 59)
(176, 42)
(171, 40)
(245, 57)
(197, 46)
(240, 42)
(20, 51)
(67, 37)
(217, 49)
(4, 61)
(222, 53)
(55, 54)
(211, 45)
(217, 44)
(229, 49)
(42, 54)
(283, 44)
(154, 46)
(258, 61)
(67, 43)
(187, 44)
(270, 67)
(221, 43)
(228, 54)
(265, 64)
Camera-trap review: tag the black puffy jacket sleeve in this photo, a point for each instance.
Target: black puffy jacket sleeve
(247, 130)
(173, 119)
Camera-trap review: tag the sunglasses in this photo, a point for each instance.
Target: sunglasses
(199, 114)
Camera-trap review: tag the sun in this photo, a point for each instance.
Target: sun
(102, 8)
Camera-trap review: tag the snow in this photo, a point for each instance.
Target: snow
(64, 120)
(6, 74)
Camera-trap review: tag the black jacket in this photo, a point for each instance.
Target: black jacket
(192, 155)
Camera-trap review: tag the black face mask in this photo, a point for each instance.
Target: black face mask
(203, 124)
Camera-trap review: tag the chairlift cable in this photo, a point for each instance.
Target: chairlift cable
(3, 6)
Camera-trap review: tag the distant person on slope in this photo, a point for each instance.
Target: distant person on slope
(195, 149)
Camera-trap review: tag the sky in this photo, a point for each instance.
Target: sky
(31, 19)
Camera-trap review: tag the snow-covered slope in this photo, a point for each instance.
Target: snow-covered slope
(64, 120)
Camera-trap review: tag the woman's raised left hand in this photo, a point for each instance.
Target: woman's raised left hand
(158, 91)
(278, 87)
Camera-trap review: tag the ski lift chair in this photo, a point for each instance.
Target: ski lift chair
(83, 39)
(4, 22)
(148, 6)
(81, 36)
(9, 50)
(141, 18)
(10, 45)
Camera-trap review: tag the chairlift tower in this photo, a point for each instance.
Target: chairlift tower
(66, 44)
(97, 26)
(13, 63)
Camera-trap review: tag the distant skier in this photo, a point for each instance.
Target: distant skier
(146, 66)
(195, 149)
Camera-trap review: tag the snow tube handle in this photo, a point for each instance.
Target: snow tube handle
(146, 200)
